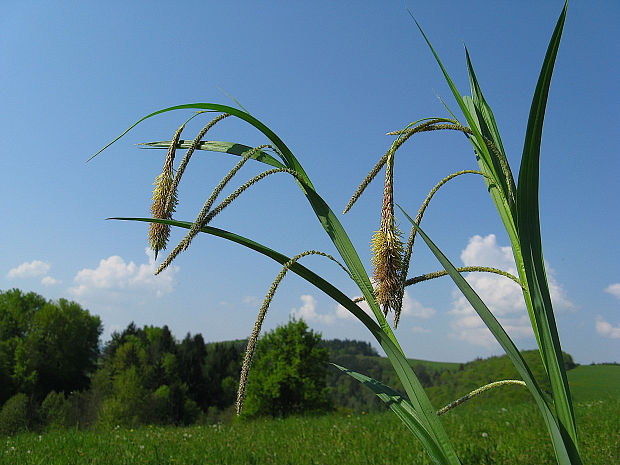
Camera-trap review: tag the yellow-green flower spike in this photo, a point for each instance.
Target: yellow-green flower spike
(387, 249)
(164, 199)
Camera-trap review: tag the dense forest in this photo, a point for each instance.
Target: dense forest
(55, 373)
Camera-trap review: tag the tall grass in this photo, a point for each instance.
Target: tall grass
(517, 206)
(482, 435)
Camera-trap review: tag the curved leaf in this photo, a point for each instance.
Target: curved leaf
(218, 146)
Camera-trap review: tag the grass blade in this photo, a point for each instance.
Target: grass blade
(218, 146)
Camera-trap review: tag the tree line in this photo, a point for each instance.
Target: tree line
(55, 373)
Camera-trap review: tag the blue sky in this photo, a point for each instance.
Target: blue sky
(331, 78)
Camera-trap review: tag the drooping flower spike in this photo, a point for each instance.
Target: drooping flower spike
(387, 249)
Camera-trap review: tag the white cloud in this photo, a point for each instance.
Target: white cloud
(484, 251)
(613, 289)
(113, 274)
(251, 300)
(49, 281)
(33, 269)
(308, 311)
(411, 307)
(419, 330)
(501, 295)
(605, 328)
(343, 313)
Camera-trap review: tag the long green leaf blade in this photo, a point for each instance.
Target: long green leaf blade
(528, 226)
(336, 232)
(488, 128)
(218, 146)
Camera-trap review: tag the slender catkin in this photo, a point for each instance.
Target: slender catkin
(468, 132)
(189, 153)
(251, 347)
(201, 219)
(478, 391)
(463, 269)
(164, 199)
(418, 219)
(403, 136)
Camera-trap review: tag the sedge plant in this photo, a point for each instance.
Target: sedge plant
(515, 201)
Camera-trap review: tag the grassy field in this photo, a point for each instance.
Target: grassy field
(593, 382)
(483, 435)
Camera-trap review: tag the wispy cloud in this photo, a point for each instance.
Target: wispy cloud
(419, 330)
(412, 308)
(49, 281)
(613, 289)
(251, 300)
(34, 269)
(343, 313)
(308, 311)
(114, 274)
(605, 329)
(501, 295)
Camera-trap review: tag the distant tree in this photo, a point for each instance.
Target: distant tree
(288, 374)
(340, 347)
(45, 345)
(147, 376)
(191, 353)
(129, 405)
(63, 347)
(222, 362)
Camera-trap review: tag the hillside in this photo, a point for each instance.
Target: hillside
(594, 382)
(446, 381)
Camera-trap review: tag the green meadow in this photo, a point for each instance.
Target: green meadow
(483, 433)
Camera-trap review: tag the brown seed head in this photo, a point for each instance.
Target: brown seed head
(387, 249)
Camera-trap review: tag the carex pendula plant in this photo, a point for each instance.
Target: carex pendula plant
(516, 203)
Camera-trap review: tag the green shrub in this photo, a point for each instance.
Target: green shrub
(56, 411)
(15, 415)
(160, 408)
(289, 373)
(128, 407)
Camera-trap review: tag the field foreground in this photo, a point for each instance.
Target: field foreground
(482, 436)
